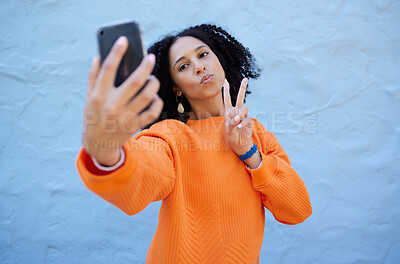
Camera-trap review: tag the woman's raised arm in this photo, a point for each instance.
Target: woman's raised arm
(111, 114)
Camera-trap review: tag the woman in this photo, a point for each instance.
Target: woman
(213, 167)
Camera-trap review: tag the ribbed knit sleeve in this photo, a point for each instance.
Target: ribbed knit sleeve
(283, 191)
(147, 174)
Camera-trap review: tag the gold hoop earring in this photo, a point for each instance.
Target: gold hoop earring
(180, 109)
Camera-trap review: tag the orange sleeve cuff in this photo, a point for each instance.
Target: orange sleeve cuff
(97, 179)
(265, 173)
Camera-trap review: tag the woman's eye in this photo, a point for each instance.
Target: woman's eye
(182, 67)
(203, 54)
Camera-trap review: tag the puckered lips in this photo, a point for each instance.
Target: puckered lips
(206, 78)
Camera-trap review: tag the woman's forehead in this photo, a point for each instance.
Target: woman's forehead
(184, 45)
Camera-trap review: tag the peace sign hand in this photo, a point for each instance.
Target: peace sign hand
(238, 126)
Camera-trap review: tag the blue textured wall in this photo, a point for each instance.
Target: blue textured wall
(330, 91)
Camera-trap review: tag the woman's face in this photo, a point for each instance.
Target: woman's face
(195, 69)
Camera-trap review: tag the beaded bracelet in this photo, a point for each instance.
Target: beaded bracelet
(249, 153)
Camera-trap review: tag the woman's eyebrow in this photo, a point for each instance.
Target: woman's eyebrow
(196, 49)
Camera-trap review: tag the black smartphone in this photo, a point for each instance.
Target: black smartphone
(108, 34)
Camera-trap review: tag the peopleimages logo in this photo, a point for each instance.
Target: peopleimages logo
(275, 122)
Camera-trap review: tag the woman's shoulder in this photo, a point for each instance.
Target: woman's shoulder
(258, 126)
(261, 131)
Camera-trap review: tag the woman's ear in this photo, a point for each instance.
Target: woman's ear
(177, 91)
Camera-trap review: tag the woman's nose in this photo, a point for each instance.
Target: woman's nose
(200, 69)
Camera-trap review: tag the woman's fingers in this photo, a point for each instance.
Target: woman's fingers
(242, 92)
(246, 122)
(243, 112)
(132, 117)
(137, 79)
(146, 96)
(229, 124)
(237, 119)
(227, 96)
(116, 114)
(238, 126)
(110, 65)
(235, 115)
(151, 114)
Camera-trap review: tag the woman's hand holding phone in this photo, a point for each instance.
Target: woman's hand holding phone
(112, 116)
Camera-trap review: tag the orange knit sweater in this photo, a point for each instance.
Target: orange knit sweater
(212, 204)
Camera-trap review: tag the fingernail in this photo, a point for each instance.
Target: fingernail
(237, 118)
(240, 125)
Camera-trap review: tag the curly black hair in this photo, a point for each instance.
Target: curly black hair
(235, 59)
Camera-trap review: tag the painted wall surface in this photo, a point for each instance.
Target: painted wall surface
(330, 91)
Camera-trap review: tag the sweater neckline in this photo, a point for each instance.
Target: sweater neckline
(207, 121)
